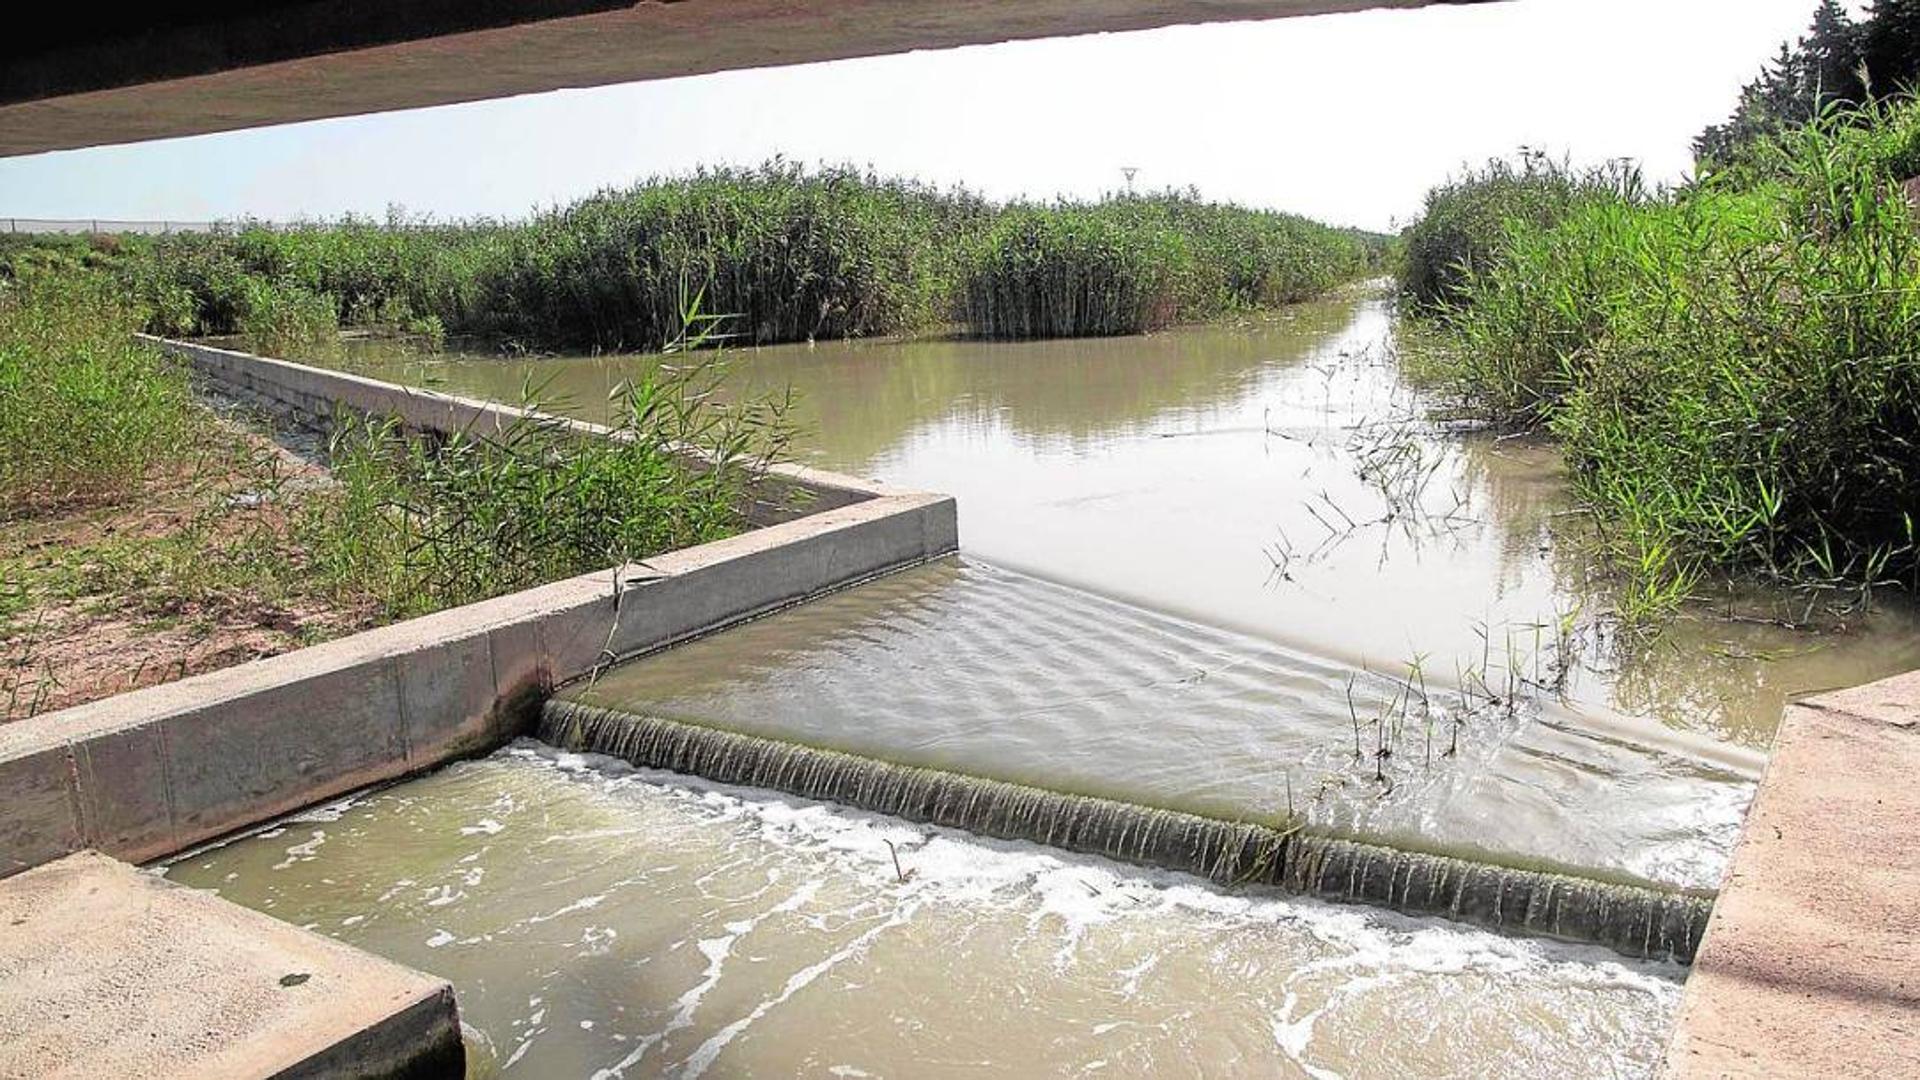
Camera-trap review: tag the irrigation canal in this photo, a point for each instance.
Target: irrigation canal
(1226, 573)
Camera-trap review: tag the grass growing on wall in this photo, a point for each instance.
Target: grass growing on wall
(1733, 368)
(421, 524)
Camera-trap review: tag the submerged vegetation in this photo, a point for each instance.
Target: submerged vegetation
(1732, 367)
(792, 254)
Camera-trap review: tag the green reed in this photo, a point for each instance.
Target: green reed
(1732, 368)
(86, 413)
(1126, 265)
(420, 524)
(795, 254)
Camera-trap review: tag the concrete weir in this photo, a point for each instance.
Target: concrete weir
(1633, 920)
(155, 771)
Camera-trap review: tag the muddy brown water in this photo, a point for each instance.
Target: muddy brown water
(1219, 526)
(1218, 473)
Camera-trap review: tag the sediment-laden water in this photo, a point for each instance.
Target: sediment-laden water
(1185, 555)
(1636, 920)
(599, 921)
(993, 673)
(1234, 475)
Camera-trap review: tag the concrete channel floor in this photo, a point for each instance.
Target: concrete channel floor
(1811, 962)
(107, 971)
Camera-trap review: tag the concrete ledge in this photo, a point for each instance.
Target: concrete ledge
(1811, 961)
(311, 396)
(106, 971)
(148, 773)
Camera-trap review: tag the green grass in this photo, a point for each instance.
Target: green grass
(1732, 368)
(122, 497)
(420, 524)
(1467, 222)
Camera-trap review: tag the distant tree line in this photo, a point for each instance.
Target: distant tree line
(1839, 61)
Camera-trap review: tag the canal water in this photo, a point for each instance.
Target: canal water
(1197, 566)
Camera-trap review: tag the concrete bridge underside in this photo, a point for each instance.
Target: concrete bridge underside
(74, 78)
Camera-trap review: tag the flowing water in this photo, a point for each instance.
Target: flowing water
(988, 672)
(598, 921)
(1230, 571)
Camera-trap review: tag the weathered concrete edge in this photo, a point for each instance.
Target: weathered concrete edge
(154, 771)
(1808, 964)
(354, 1014)
(313, 393)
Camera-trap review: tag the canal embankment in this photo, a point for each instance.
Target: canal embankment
(147, 773)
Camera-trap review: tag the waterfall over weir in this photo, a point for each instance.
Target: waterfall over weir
(1634, 920)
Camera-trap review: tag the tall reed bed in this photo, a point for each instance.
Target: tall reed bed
(85, 412)
(1732, 368)
(1127, 265)
(1466, 222)
(792, 254)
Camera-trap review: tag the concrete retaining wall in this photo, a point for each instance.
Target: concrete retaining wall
(311, 396)
(147, 773)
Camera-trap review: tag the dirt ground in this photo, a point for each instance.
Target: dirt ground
(196, 572)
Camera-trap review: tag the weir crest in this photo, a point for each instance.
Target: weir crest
(1633, 920)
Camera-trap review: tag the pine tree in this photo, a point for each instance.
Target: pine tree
(1890, 45)
(1830, 58)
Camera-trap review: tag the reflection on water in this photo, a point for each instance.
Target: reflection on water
(602, 922)
(1221, 473)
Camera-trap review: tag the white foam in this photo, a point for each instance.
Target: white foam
(1066, 894)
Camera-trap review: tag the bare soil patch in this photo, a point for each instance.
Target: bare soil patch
(198, 570)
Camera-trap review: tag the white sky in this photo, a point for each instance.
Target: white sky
(1348, 118)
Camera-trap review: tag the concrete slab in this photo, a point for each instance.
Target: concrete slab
(107, 971)
(1811, 961)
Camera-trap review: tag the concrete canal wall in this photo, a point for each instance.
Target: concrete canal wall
(147, 773)
(108, 971)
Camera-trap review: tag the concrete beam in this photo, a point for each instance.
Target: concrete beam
(148, 773)
(107, 971)
(1811, 961)
(93, 80)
